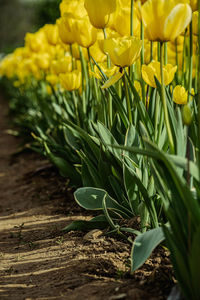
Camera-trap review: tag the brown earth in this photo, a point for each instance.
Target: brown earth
(38, 262)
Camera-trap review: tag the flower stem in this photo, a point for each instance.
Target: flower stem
(128, 104)
(151, 51)
(142, 62)
(110, 106)
(191, 64)
(165, 53)
(163, 98)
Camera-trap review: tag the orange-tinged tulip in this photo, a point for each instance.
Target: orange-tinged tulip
(153, 69)
(165, 20)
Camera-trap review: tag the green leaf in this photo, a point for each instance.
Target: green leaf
(98, 222)
(143, 246)
(91, 199)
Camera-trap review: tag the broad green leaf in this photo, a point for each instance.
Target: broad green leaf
(143, 246)
(91, 199)
(98, 222)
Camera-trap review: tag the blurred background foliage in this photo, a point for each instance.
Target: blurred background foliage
(20, 16)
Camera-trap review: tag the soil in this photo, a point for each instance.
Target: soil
(38, 261)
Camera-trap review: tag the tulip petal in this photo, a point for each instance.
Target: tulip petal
(112, 80)
(177, 21)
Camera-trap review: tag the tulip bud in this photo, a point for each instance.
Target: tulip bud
(187, 115)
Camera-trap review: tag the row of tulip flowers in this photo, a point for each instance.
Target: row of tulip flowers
(110, 95)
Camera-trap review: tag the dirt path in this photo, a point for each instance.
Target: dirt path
(37, 262)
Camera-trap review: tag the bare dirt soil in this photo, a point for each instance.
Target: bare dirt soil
(38, 262)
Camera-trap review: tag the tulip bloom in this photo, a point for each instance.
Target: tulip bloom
(71, 81)
(85, 34)
(165, 20)
(65, 29)
(99, 11)
(180, 95)
(153, 69)
(194, 4)
(123, 52)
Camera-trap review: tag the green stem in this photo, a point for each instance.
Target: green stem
(142, 62)
(151, 51)
(165, 53)
(128, 104)
(191, 64)
(76, 107)
(131, 68)
(183, 58)
(108, 57)
(93, 78)
(156, 119)
(84, 79)
(109, 95)
(132, 13)
(71, 52)
(163, 98)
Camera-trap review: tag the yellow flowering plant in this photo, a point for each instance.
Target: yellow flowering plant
(97, 128)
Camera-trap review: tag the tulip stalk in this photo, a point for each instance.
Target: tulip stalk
(191, 63)
(183, 58)
(151, 51)
(131, 68)
(84, 78)
(165, 53)
(163, 98)
(110, 106)
(93, 79)
(128, 104)
(142, 62)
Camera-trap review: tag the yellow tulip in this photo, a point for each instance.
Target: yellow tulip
(52, 79)
(194, 4)
(123, 52)
(71, 81)
(65, 29)
(76, 52)
(99, 11)
(36, 42)
(52, 33)
(153, 69)
(73, 7)
(62, 65)
(96, 52)
(180, 95)
(42, 61)
(107, 71)
(84, 33)
(165, 20)
(122, 21)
